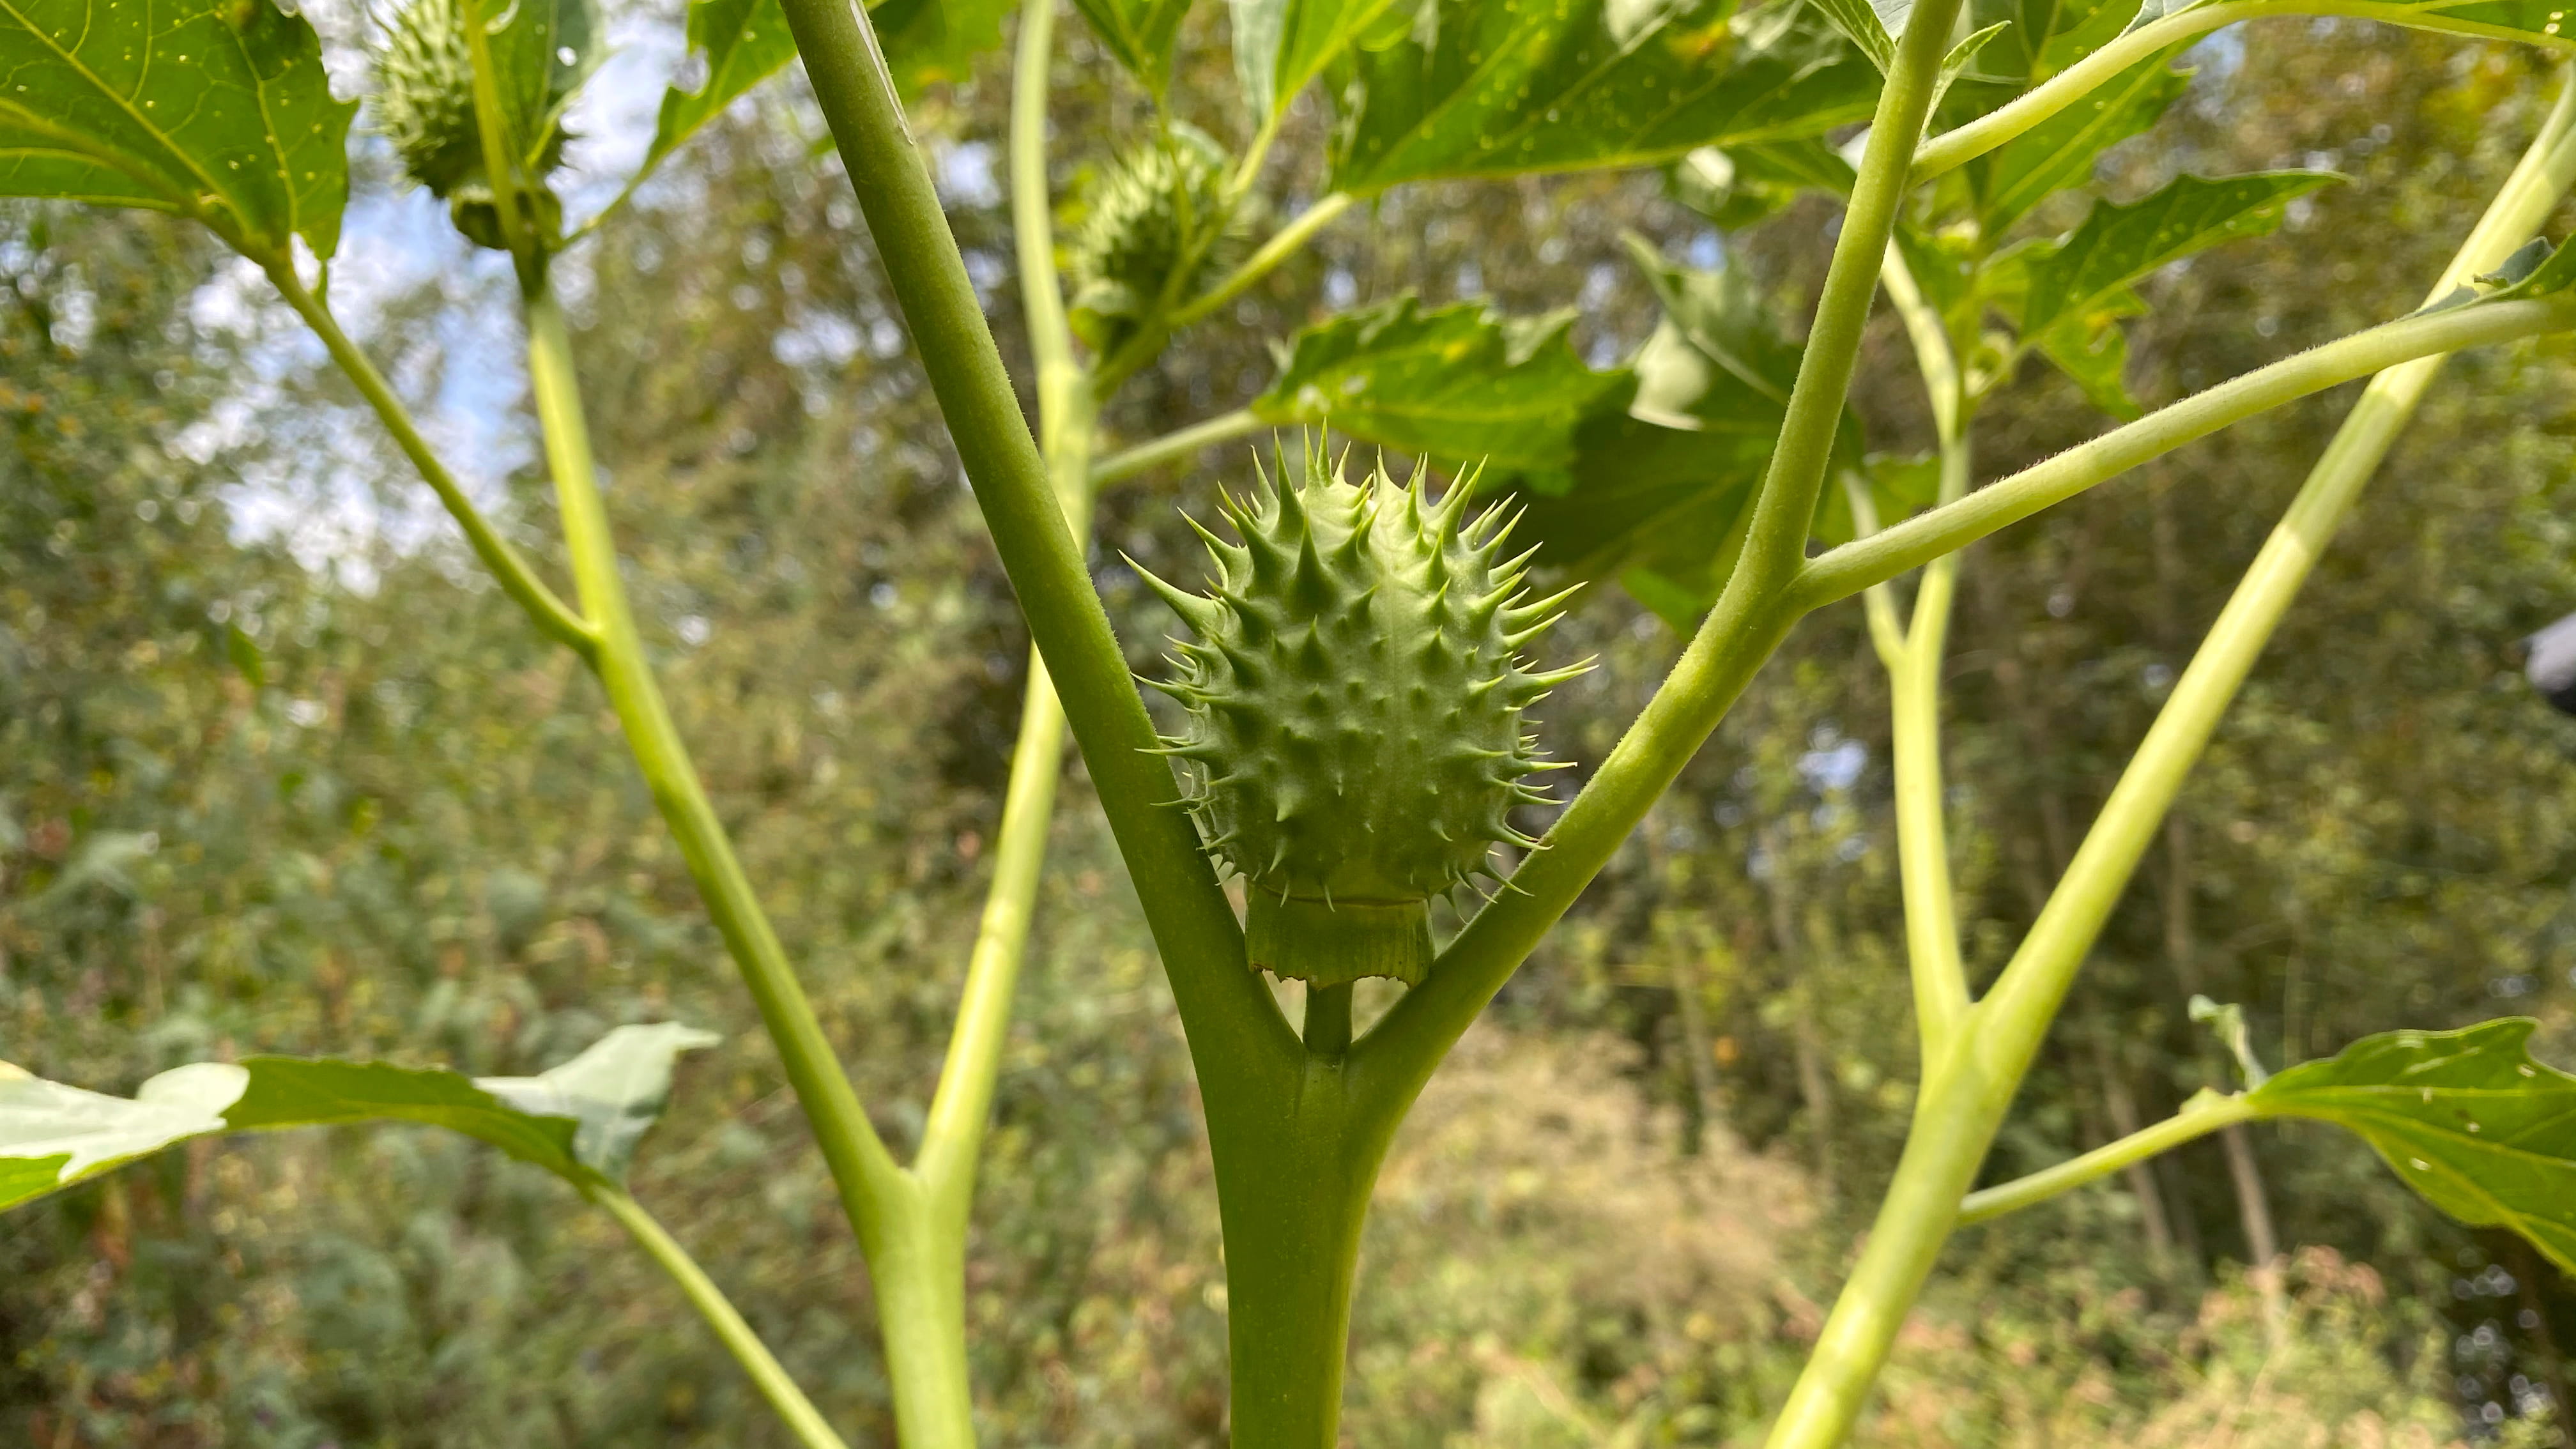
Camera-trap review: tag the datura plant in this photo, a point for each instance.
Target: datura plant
(1351, 739)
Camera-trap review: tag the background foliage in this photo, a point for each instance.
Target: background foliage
(268, 783)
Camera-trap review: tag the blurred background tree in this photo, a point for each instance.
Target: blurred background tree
(278, 772)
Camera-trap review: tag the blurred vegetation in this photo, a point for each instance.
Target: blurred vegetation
(273, 779)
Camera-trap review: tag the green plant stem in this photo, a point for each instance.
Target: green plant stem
(500, 165)
(1855, 566)
(915, 1252)
(1932, 953)
(1293, 1205)
(1952, 149)
(962, 1109)
(2201, 1116)
(1397, 1056)
(550, 613)
(1172, 447)
(1283, 244)
(767, 1375)
(1238, 1039)
(2026, 996)
(1967, 1089)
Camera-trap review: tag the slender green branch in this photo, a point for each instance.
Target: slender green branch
(1238, 1038)
(1918, 540)
(1914, 686)
(767, 1375)
(512, 572)
(962, 1108)
(1886, 630)
(1955, 148)
(500, 161)
(1283, 244)
(2199, 1117)
(1172, 447)
(858, 1159)
(1392, 1062)
(2025, 998)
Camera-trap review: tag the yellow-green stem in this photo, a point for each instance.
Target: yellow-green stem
(2203, 1115)
(767, 1375)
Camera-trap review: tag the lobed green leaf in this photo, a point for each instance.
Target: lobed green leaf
(1139, 34)
(2061, 151)
(215, 109)
(1566, 85)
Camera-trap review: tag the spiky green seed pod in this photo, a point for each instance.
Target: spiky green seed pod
(425, 95)
(1141, 218)
(425, 107)
(1356, 741)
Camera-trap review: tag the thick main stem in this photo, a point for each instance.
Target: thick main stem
(1293, 1205)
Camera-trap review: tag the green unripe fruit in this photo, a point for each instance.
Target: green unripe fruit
(425, 95)
(1355, 741)
(425, 107)
(1142, 219)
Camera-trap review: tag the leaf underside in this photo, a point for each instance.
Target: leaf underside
(2466, 1118)
(580, 1120)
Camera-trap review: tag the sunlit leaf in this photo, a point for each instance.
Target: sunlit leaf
(2060, 152)
(1498, 89)
(1460, 383)
(1139, 33)
(581, 1120)
(2466, 1118)
(1871, 25)
(743, 42)
(2118, 245)
(1280, 45)
(216, 109)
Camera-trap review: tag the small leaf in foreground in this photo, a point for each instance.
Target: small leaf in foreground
(2466, 1118)
(2060, 152)
(1139, 34)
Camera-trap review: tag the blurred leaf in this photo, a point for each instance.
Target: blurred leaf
(2089, 272)
(243, 653)
(1280, 45)
(1460, 383)
(542, 50)
(1658, 496)
(2046, 36)
(214, 109)
(744, 42)
(1737, 186)
(580, 1121)
(2466, 1118)
(1507, 89)
(1139, 33)
(936, 40)
(2094, 352)
(2060, 151)
(1871, 25)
